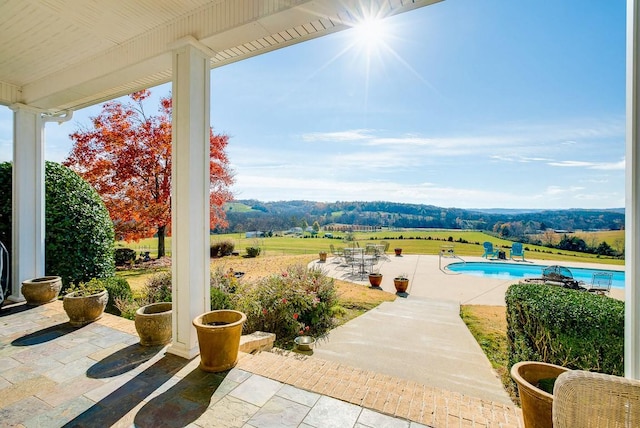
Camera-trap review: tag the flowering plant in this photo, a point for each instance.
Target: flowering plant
(294, 302)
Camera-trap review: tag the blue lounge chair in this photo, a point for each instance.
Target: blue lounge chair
(516, 251)
(489, 251)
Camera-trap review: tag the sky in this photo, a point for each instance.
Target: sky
(464, 103)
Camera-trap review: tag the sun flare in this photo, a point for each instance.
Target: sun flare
(371, 33)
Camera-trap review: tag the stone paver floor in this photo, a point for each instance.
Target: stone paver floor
(98, 375)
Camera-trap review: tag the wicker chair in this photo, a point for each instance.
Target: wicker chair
(586, 399)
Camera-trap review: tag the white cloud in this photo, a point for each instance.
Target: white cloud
(619, 166)
(339, 136)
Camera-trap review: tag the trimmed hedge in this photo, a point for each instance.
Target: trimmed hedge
(252, 251)
(570, 328)
(221, 249)
(79, 236)
(123, 256)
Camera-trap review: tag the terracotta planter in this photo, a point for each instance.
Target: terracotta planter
(401, 284)
(323, 256)
(38, 291)
(219, 339)
(398, 251)
(153, 324)
(83, 310)
(536, 403)
(375, 279)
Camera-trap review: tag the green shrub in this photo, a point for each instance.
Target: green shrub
(297, 301)
(252, 251)
(158, 288)
(118, 288)
(226, 248)
(570, 328)
(219, 299)
(89, 288)
(79, 235)
(221, 248)
(122, 256)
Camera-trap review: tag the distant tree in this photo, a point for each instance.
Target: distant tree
(126, 157)
(316, 226)
(604, 249)
(304, 224)
(572, 244)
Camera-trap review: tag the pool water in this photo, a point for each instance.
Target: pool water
(517, 271)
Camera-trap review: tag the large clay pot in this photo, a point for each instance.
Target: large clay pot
(375, 279)
(536, 404)
(401, 284)
(82, 310)
(219, 335)
(38, 291)
(323, 256)
(398, 251)
(153, 324)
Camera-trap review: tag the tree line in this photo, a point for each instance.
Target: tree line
(283, 215)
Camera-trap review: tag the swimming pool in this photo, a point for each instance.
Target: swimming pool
(518, 271)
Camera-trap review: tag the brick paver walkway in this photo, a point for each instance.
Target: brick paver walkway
(396, 397)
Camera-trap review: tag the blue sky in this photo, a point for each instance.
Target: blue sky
(465, 103)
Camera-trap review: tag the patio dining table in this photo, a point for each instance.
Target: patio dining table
(362, 261)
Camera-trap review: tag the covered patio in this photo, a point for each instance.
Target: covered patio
(60, 56)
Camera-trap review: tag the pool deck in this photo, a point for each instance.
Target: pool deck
(429, 279)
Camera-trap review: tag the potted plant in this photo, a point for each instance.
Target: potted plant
(401, 282)
(153, 324)
(531, 377)
(219, 335)
(398, 251)
(85, 302)
(38, 291)
(375, 279)
(323, 256)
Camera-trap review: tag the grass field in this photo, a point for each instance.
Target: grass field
(467, 243)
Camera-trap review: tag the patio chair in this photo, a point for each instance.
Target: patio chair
(516, 251)
(350, 259)
(587, 399)
(600, 282)
(489, 251)
(336, 252)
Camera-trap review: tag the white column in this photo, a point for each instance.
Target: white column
(27, 255)
(632, 226)
(190, 194)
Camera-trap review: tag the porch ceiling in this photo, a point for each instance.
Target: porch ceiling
(68, 54)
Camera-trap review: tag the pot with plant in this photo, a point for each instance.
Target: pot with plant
(398, 251)
(85, 302)
(323, 256)
(401, 282)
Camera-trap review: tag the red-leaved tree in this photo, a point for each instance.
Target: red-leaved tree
(126, 156)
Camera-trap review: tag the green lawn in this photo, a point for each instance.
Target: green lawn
(411, 242)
